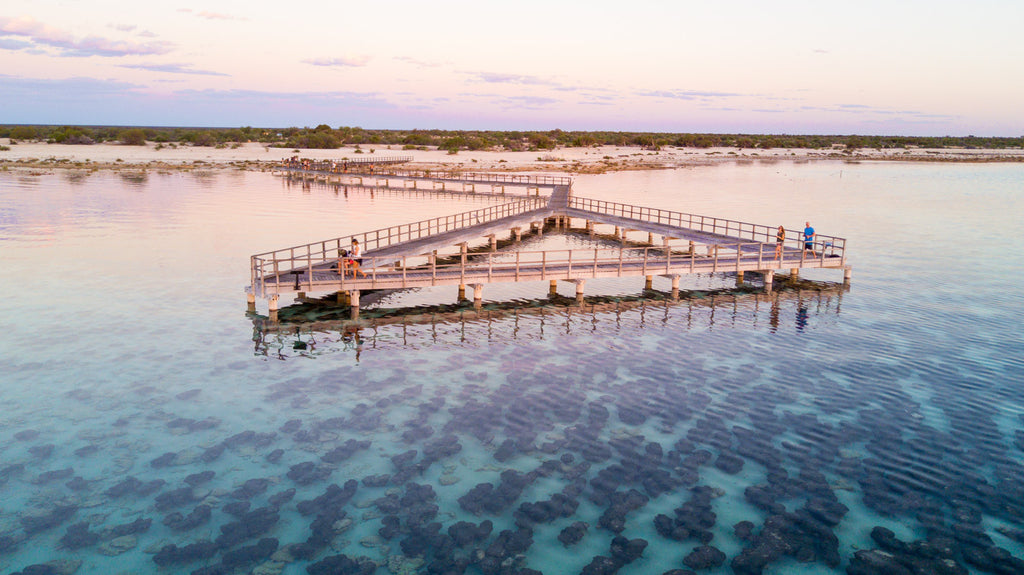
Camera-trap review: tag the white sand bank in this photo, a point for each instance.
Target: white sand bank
(574, 160)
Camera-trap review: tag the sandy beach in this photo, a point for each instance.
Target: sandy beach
(257, 157)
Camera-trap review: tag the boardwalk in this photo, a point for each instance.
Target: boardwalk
(406, 256)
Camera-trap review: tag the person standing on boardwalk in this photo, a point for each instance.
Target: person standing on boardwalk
(809, 239)
(780, 238)
(355, 260)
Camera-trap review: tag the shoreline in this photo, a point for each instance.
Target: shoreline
(595, 160)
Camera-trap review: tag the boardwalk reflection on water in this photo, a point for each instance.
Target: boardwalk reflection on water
(317, 327)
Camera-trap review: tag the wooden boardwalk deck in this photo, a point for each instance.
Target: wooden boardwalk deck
(394, 257)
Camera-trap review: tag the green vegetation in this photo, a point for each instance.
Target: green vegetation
(133, 137)
(325, 137)
(22, 133)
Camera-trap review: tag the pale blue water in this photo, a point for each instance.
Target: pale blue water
(815, 415)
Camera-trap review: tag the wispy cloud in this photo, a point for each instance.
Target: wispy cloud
(50, 91)
(528, 102)
(305, 99)
(419, 63)
(14, 44)
(521, 79)
(41, 34)
(123, 27)
(211, 15)
(688, 94)
(219, 16)
(347, 61)
(173, 69)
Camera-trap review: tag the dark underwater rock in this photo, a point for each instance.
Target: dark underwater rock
(123, 487)
(876, 562)
(247, 555)
(174, 555)
(56, 516)
(377, 480)
(42, 451)
(704, 557)
(163, 461)
(198, 516)
(26, 435)
(627, 550)
(174, 498)
(344, 451)
(251, 488)
(53, 475)
(614, 517)
(334, 498)
(744, 530)
(308, 473)
(275, 456)
(464, 533)
(77, 483)
(78, 536)
(729, 463)
(150, 487)
(240, 439)
(601, 565)
(190, 394)
(140, 525)
(237, 508)
(200, 478)
(278, 499)
(291, 426)
(342, 565)
(250, 525)
(212, 454)
(573, 534)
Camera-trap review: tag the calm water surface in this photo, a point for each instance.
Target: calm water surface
(151, 425)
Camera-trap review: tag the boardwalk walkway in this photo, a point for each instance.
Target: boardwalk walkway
(406, 256)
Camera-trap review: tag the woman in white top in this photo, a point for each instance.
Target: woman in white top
(355, 256)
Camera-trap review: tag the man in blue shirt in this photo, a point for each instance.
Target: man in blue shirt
(809, 239)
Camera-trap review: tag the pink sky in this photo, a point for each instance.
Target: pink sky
(754, 67)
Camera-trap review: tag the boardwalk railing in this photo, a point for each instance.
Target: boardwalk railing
(319, 165)
(304, 257)
(340, 167)
(489, 267)
(708, 224)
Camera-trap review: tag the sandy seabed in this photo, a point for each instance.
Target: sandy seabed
(257, 157)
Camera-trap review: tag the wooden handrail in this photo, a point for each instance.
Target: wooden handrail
(337, 167)
(746, 230)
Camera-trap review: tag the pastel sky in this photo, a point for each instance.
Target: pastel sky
(894, 67)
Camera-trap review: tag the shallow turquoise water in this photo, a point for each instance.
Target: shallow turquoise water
(816, 415)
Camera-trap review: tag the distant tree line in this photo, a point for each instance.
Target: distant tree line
(325, 137)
